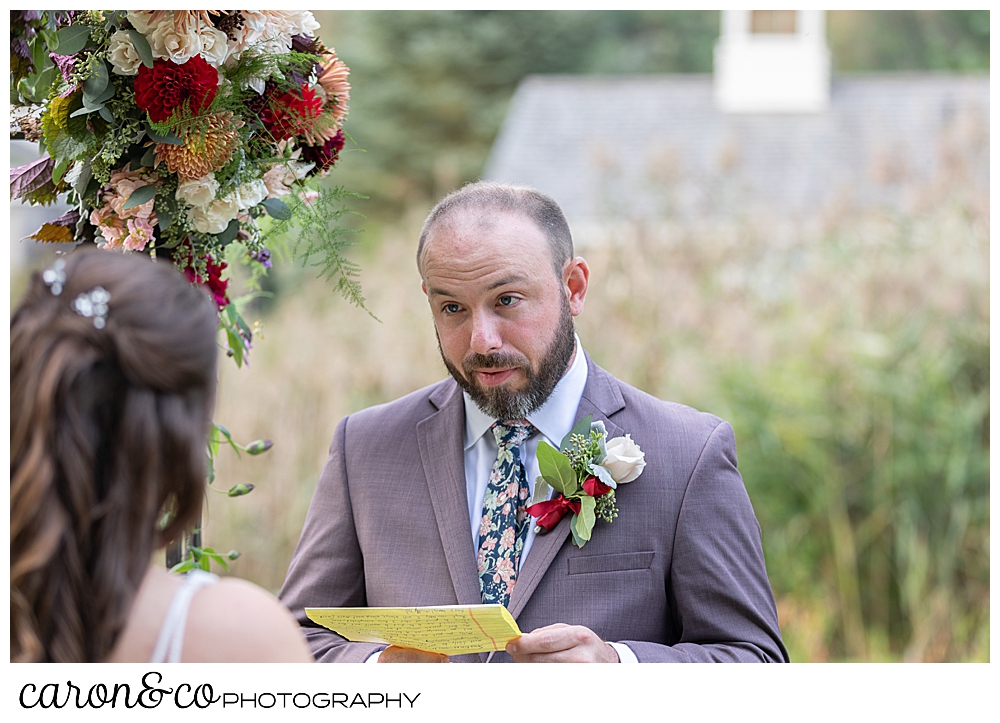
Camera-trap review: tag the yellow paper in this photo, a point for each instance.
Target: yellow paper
(448, 629)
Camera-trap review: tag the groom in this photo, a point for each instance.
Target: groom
(422, 501)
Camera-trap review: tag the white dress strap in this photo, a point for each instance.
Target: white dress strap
(171, 640)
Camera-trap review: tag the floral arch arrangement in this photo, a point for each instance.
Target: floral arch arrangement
(177, 133)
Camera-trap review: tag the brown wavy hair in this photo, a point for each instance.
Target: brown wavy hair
(108, 432)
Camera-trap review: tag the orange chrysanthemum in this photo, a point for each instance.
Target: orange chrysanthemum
(204, 151)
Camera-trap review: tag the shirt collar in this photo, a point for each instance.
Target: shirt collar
(554, 419)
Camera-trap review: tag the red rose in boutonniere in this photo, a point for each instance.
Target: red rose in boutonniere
(585, 470)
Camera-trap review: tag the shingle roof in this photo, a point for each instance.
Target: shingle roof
(655, 146)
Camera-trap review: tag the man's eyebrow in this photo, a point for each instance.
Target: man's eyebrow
(435, 291)
(516, 278)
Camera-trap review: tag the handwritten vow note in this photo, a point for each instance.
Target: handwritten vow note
(449, 629)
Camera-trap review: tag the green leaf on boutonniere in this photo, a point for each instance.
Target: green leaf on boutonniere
(556, 469)
(581, 427)
(583, 523)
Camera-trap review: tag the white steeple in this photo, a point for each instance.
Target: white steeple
(772, 61)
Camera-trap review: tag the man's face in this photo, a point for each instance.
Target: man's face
(503, 319)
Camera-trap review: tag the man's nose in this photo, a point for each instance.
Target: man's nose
(485, 334)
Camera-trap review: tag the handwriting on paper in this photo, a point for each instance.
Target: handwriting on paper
(448, 629)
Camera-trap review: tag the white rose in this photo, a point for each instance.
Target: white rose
(214, 46)
(198, 192)
(166, 42)
(214, 217)
(250, 194)
(121, 53)
(140, 20)
(625, 461)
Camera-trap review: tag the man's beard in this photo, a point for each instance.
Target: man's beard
(508, 404)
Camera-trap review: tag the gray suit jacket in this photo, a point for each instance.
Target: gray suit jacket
(678, 576)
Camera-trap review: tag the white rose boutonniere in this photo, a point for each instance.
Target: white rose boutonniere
(624, 460)
(586, 471)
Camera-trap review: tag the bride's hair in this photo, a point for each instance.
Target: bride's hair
(107, 459)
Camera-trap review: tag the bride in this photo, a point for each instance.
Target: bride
(113, 362)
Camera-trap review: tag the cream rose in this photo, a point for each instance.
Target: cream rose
(625, 461)
(250, 194)
(140, 19)
(166, 42)
(121, 53)
(198, 192)
(214, 46)
(214, 217)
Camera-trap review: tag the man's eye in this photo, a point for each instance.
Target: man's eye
(452, 308)
(507, 300)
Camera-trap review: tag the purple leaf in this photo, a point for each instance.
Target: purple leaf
(30, 177)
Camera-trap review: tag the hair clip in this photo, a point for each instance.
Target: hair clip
(54, 277)
(93, 304)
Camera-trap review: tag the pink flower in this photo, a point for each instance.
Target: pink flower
(491, 542)
(505, 568)
(512, 490)
(140, 233)
(484, 526)
(507, 539)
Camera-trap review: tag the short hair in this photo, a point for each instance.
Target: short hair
(503, 198)
(108, 433)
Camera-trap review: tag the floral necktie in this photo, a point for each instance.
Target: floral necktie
(504, 524)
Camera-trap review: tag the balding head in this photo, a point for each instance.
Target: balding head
(484, 200)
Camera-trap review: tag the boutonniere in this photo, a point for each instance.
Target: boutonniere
(585, 471)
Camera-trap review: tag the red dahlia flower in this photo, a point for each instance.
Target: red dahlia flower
(165, 86)
(290, 114)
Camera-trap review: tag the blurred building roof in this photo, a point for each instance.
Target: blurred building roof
(656, 146)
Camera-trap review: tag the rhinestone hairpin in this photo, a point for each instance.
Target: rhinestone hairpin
(93, 304)
(54, 277)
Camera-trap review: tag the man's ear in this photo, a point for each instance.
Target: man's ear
(423, 286)
(576, 276)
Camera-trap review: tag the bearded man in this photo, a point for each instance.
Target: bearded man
(417, 493)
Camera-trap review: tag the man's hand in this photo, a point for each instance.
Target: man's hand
(396, 654)
(561, 643)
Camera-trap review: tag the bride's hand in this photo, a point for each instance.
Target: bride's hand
(397, 654)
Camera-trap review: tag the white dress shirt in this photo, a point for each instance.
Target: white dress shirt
(553, 420)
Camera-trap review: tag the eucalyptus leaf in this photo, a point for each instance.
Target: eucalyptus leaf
(229, 233)
(106, 115)
(72, 39)
(84, 111)
(139, 196)
(556, 469)
(98, 82)
(101, 98)
(141, 46)
(581, 427)
(170, 138)
(276, 208)
(148, 159)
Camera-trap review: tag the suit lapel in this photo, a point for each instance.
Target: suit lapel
(601, 398)
(444, 468)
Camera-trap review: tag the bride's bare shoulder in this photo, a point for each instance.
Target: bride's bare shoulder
(237, 621)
